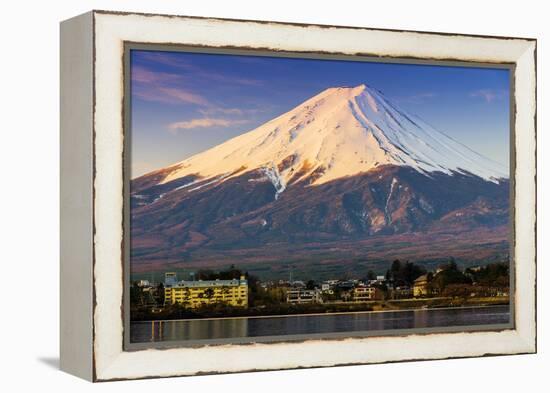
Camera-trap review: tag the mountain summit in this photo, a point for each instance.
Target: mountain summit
(342, 131)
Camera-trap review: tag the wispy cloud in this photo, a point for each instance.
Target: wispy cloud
(489, 95)
(179, 81)
(190, 70)
(169, 95)
(225, 111)
(146, 76)
(183, 95)
(418, 98)
(167, 59)
(164, 87)
(203, 123)
(214, 110)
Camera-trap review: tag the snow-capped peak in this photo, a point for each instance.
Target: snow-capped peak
(342, 131)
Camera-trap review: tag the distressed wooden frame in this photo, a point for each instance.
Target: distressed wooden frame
(92, 245)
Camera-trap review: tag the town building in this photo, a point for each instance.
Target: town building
(421, 286)
(297, 283)
(195, 294)
(402, 292)
(170, 278)
(364, 293)
(346, 285)
(301, 295)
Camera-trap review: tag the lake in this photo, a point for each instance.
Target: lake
(318, 324)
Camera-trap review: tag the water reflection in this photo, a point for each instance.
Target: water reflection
(157, 331)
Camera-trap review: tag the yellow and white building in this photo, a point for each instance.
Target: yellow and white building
(194, 294)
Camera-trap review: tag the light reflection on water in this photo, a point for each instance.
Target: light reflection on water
(158, 331)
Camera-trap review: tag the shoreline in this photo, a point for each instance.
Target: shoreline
(317, 314)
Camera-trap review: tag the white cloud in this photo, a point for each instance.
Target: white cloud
(488, 95)
(225, 111)
(204, 122)
(418, 98)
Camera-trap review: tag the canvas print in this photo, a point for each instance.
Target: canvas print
(276, 197)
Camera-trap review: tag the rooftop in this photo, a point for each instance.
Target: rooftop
(423, 277)
(209, 283)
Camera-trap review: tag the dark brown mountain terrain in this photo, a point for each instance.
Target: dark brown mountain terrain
(386, 213)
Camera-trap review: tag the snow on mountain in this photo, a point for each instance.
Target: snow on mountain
(342, 131)
(273, 175)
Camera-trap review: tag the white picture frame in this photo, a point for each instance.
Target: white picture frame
(92, 194)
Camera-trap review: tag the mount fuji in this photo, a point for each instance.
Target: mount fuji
(345, 176)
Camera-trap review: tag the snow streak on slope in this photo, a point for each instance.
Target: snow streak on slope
(340, 132)
(386, 210)
(275, 178)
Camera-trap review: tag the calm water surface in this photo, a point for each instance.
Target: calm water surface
(160, 331)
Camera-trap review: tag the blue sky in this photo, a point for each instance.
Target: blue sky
(183, 103)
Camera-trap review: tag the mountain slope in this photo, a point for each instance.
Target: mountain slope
(343, 168)
(339, 132)
(239, 221)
